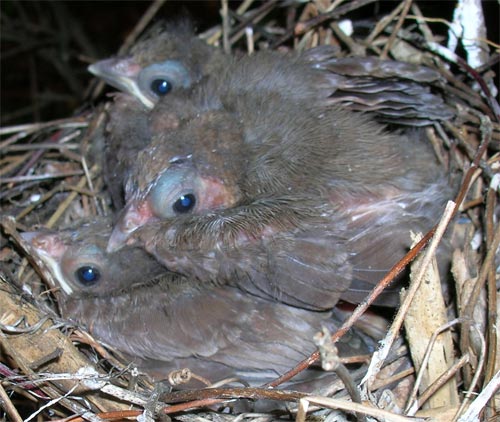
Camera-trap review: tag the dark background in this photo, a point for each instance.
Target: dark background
(47, 45)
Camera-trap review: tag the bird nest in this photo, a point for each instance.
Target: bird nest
(439, 358)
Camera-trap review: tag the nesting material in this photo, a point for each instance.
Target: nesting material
(429, 338)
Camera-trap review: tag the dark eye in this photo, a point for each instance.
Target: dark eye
(184, 204)
(159, 79)
(87, 275)
(161, 87)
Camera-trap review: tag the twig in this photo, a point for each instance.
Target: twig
(67, 202)
(381, 354)
(478, 373)
(303, 27)
(425, 359)
(10, 409)
(360, 309)
(210, 396)
(406, 7)
(442, 380)
(19, 179)
(24, 130)
(477, 406)
(492, 320)
(359, 408)
(226, 27)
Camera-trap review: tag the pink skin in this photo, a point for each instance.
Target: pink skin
(47, 243)
(139, 212)
(135, 215)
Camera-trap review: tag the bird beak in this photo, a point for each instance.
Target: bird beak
(130, 219)
(121, 74)
(50, 249)
(47, 244)
(28, 237)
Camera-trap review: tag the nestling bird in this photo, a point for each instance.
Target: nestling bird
(127, 131)
(285, 199)
(173, 58)
(168, 58)
(166, 321)
(394, 91)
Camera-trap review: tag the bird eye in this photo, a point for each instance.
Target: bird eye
(175, 192)
(161, 87)
(88, 275)
(159, 79)
(184, 204)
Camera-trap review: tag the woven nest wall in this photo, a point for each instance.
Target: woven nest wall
(51, 111)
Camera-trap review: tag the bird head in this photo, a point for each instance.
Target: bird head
(191, 170)
(80, 265)
(166, 60)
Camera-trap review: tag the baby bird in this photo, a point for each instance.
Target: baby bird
(126, 132)
(172, 58)
(285, 199)
(168, 58)
(165, 321)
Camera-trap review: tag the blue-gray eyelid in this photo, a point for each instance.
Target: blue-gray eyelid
(172, 68)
